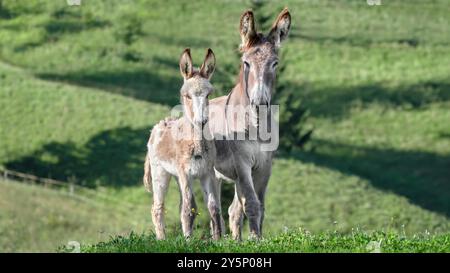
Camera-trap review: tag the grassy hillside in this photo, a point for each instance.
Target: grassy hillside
(291, 241)
(81, 86)
(35, 219)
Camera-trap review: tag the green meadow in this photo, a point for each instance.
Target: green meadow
(81, 86)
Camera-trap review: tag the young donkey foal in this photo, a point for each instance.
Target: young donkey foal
(178, 147)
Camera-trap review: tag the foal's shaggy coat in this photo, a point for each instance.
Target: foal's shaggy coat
(177, 147)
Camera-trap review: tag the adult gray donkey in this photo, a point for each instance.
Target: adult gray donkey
(244, 156)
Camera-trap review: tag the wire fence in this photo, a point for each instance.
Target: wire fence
(81, 193)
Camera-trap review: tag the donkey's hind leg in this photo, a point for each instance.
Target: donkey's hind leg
(160, 185)
(236, 213)
(219, 202)
(212, 200)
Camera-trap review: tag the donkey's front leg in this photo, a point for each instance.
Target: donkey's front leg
(188, 208)
(211, 197)
(260, 181)
(249, 200)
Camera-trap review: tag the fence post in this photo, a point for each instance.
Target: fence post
(71, 189)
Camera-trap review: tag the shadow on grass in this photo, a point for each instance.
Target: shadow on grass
(62, 21)
(140, 84)
(11, 10)
(444, 135)
(171, 40)
(356, 41)
(111, 158)
(422, 177)
(4, 13)
(336, 102)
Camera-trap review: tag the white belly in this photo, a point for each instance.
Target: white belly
(221, 176)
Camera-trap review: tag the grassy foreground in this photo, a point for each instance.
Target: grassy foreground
(291, 241)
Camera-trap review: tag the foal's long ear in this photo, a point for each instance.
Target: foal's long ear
(186, 67)
(247, 29)
(209, 64)
(280, 28)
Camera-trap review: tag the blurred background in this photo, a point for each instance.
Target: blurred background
(364, 94)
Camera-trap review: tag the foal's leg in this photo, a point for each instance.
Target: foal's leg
(188, 207)
(236, 214)
(160, 185)
(210, 192)
(193, 204)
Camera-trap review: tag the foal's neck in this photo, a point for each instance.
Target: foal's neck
(194, 131)
(193, 138)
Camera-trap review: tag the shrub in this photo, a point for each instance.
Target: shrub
(130, 31)
(295, 131)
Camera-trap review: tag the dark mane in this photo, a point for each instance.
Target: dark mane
(256, 40)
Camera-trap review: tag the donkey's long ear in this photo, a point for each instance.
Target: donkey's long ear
(186, 67)
(247, 29)
(208, 65)
(280, 28)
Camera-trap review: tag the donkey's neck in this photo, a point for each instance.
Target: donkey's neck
(193, 138)
(239, 94)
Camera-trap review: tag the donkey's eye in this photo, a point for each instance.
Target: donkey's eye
(187, 96)
(275, 64)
